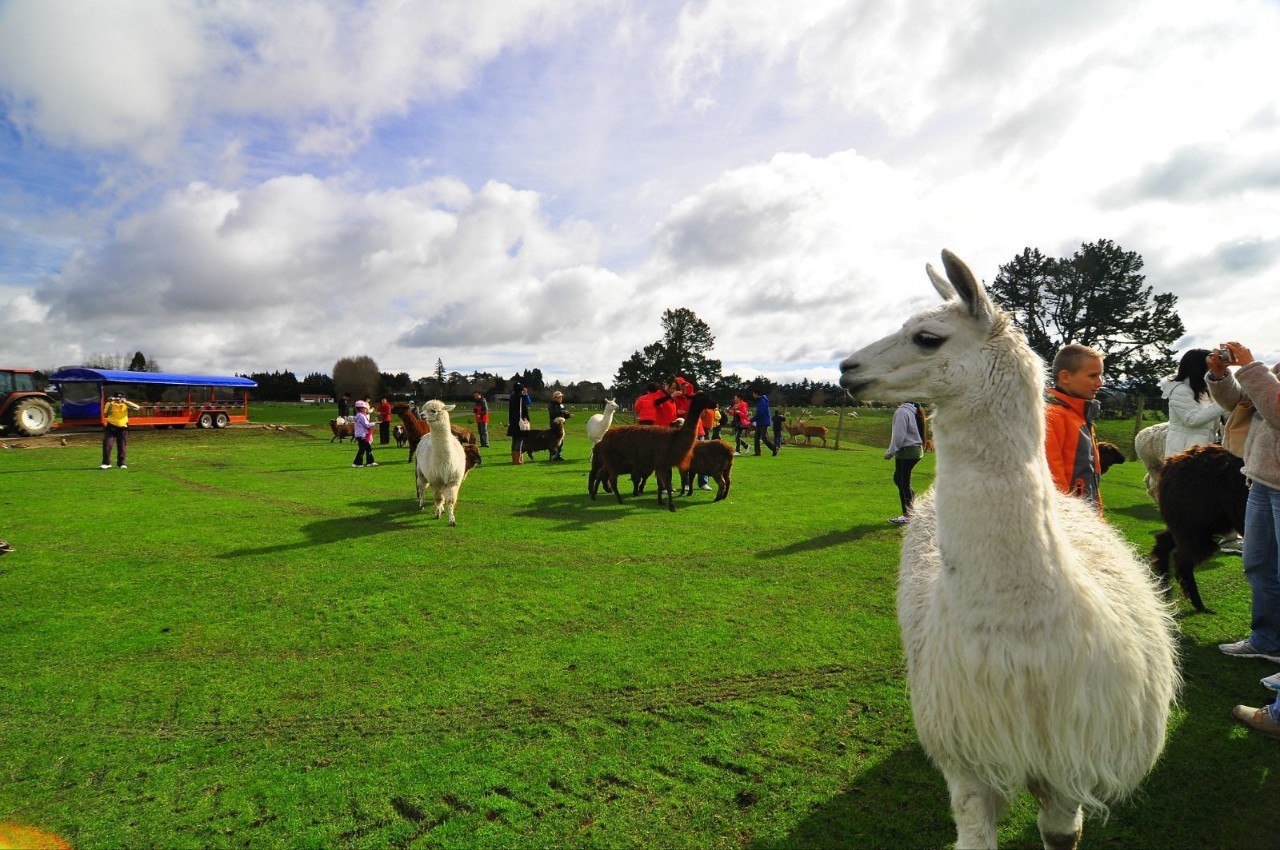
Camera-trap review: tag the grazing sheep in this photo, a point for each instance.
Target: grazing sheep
(442, 464)
(598, 424)
(544, 439)
(713, 458)
(1148, 445)
(401, 436)
(645, 450)
(1109, 454)
(1202, 494)
(1040, 654)
(342, 429)
(800, 429)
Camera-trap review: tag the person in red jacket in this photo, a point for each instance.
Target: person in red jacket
(384, 421)
(644, 406)
(1071, 446)
(481, 410)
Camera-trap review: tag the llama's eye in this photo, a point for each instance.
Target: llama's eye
(928, 341)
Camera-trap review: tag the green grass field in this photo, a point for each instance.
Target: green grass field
(241, 641)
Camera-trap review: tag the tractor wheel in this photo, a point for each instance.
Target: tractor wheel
(221, 420)
(33, 417)
(206, 420)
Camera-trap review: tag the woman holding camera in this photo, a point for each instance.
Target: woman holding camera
(1262, 512)
(1193, 415)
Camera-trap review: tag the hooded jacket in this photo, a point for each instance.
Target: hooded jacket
(1262, 446)
(1191, 422)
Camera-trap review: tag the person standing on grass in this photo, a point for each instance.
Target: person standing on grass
(384, 421)
(116, 430)
(518, 422)
(906, 447)
(644, 406)
(481, 409)
(763, 419)
(1261, 554)
(344, 406)
(363, 435)
(557, 410)
(778, 418)
(741, 419)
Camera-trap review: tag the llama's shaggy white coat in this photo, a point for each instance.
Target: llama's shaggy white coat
(441, 464)
(599, 423)
(1039, 653)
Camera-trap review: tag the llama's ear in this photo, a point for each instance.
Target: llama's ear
(450, 406)
(968, 287)
(940, 283)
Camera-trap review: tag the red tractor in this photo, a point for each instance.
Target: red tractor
(23, 408)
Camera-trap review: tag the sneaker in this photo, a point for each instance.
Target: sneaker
(1272, 682)
(1246, 649)
(899, 520)
(705, 487)
(105, 466)
(356, 465)
(1232, 547)
(1257, 719)
(375, 463)
(122, 466)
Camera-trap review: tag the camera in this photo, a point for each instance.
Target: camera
(1225, 355)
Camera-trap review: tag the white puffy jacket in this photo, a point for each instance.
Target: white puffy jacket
(1191, 422)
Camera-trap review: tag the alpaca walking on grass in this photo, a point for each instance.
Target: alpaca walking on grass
(442, 463)
(1040, 655)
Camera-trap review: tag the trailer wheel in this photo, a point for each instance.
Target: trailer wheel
(221, 420)
(205, 420)
(32, 417)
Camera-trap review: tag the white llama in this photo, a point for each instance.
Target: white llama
(1039, 652)
(441, 463)
(598, 424)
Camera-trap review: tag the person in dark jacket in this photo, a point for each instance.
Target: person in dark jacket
(518, 422)
(763, 419)
(557, 410)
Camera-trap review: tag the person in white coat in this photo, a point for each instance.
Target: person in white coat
(1194, 416)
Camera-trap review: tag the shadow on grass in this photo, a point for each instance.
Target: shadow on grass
(576, 511)
(1144, 512)
(900, 802)
(825, 541)
(381, 516)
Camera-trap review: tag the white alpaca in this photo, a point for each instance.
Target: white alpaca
(441, 463)
(1148, 445)
(598, 424)
(1039, 653)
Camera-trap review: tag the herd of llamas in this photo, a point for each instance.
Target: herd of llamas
(1041, 652)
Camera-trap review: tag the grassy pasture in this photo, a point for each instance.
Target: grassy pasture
(242, 641)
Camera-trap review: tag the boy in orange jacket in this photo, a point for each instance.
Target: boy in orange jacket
(1070, 410)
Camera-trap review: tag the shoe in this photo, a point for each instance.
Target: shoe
(1272, 682)
(122, 466)
(105, 466)
(705, 487)
(1246, 649)
(373, 464)
(356, 465)
(1232, 547)
(1257, 719)
(899, 520)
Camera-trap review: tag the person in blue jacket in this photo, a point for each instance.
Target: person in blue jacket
(763, 421)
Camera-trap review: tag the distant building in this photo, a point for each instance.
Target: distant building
(317, 398)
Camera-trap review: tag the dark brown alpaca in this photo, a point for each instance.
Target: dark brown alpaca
(1201, 494)
(645, 450)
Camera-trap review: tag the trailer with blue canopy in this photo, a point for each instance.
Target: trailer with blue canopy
(167, 400)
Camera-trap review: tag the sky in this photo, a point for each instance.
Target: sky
(231, 186)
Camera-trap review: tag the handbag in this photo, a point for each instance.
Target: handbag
(523, 424)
